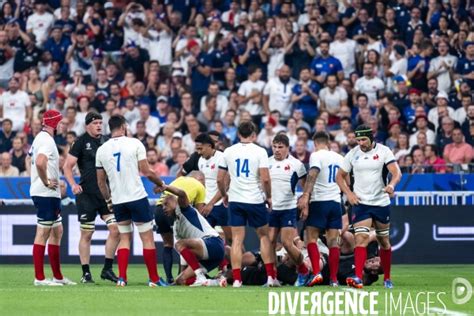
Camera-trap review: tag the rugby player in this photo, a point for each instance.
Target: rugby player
(370, 164)
(325, 210)
(121, 160)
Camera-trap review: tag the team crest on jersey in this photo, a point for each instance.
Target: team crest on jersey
(213, 166)
(376, 157)
(287, 167)
(88, 146)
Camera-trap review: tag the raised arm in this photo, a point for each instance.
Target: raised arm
(182, 197)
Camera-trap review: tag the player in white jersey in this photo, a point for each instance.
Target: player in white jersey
(15, 104)
(325, 210)
(285, 173)
(247, 165)
(370, 164)
(121, 160)
(44, 191)
(198, 243)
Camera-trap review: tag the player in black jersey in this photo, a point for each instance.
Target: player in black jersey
(89, 201)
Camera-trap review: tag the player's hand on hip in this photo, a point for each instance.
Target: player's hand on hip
(390, 190)
(353, 199)
(206, 210)
(52, 184)
(76, 189)
(304, 213)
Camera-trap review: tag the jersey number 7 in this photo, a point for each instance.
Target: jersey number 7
(242, 168)
(117, 155)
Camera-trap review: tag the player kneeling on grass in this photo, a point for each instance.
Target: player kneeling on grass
(197, 242)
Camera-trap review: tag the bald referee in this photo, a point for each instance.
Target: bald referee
(89, 201)
(370, 164)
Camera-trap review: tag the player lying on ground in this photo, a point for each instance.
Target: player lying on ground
(197, 242)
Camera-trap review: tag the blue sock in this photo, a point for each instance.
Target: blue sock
(168, 262)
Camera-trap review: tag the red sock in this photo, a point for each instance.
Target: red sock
(302, 268)
(38, 261)
(53, 253)
(386, 262)
(236, 275)
(360, 254)
(313, 253)
(149, 255)
(190, 280)
(334, 253)
(223, 264)
(270, 270)
(122, 259)
(190, 258)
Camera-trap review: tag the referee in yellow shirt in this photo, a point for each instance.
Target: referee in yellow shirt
(193, 185)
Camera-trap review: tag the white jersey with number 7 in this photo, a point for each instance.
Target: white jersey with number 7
(119, 157)
(243, 161)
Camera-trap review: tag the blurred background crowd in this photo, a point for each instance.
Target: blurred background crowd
(177, 68)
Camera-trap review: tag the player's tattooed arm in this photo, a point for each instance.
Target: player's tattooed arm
(303, 201)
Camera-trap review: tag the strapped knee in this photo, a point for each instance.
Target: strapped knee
(143, 228)
(88, 226)
(362, 230)
(44, 224)
(125, 229)
(382, 232)
(110, 220)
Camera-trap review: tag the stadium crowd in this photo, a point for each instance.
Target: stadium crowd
(177, 68)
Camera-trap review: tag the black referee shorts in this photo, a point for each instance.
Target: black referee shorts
(89, 205)
(164, 223)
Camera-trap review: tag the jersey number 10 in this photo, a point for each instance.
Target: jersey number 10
(332, 173)
(242, 168)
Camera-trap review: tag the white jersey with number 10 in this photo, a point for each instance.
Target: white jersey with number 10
(243, 161)
(119, 157)
(325, 187)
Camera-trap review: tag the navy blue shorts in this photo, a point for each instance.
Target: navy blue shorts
(256, 215)
(138, 211)
(362, 212)
(325, 215)
(215, 250)
(219, 216)
(284, 218)
(48, 209)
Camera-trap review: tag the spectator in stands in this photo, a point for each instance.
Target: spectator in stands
(326, 65)
(418, 161)
(442, 67)
(432, 159)
(332, 98)
(421, 123)
(458, 152)
(152, 124)
(181, 157)
(467, 123)
(40, 22)
(369, 84)
(7, 170)
(301, 153)
(403, 146)
(305, 95)
(154, 160)
(18, 155)
(442, 104)
(229, 127)
(16, 105)
(277, 93)
(444, 136)
(394, 130)
(6, 60)
(6, 135)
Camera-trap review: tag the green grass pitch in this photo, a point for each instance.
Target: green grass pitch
(18, 296)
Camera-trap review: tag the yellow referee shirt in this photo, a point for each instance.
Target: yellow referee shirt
(194, 189)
